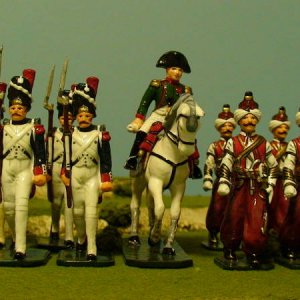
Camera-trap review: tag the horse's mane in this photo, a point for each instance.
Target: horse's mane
(171, 116)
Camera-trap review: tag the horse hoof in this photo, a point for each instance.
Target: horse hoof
(91, 257)
(134, 240)
(19, 256)
(153, 243)
(168, 251)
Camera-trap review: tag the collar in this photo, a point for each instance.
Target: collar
(87, 129)
(21, 122)
(174, 82)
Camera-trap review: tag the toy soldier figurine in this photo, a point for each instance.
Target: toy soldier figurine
(244, 174)
(90, 154)
(225, 124)
(2, 219)
(58, 188)
(290, 231)
(165, 93)
(23, 148)
(279, 126)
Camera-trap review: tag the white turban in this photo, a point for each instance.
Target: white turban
(219, 122)
(276, 123)
(240, 113)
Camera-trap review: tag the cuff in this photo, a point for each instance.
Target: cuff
(40, 170)
(106, 177)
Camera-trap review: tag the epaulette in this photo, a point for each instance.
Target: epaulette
(155, 83)
(39, 129)
(105, 136)
(188, 90)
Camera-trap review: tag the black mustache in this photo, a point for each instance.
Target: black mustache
(249, 124)
(227, 131)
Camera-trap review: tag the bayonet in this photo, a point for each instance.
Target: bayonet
(47, 105)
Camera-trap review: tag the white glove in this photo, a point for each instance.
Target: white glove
(270, 191)
(223, 189)
(135, 125)
(290, 191)
(207, 185)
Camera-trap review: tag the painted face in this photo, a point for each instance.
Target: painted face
(248, 123)
(174, 73)
(84, 119)
(281, 132)
(18, 112)
(70, 120)
(226, 130)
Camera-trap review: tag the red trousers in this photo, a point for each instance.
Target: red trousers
(290, 231)
(216, 210)
(244, 220)
(278, 208)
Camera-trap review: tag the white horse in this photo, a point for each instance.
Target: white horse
(167, 168)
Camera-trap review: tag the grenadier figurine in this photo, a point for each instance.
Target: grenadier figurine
(3, 86)
(279, 127)
(164, 93)
(91, 166)
(290, 232)
(225, 124)
(248, 173)
(58, 188)
(23, 157)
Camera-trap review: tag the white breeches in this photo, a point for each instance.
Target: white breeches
(85, 188)
(59, 199)
(158, 115)
(16, 185)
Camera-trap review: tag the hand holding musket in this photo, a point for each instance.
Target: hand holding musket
(67, 135)
(49, 143)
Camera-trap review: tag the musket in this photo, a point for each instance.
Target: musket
(67, 134)
(50, 133)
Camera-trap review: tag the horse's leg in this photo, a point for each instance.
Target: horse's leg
(137, 187)
(151, 213)
(155, 187)
(177, 193)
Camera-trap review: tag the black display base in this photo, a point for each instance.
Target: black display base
(145, 256)
(52, 245)
(72, 258)
(207, 245)
(288, 263)
(241, 264)
(34, 258)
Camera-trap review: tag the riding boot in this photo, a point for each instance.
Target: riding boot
(131, 163)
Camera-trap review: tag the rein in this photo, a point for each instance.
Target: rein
(175, 139)
(172, 164)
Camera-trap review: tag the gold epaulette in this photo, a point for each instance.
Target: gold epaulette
(155, 82)
(188, 90)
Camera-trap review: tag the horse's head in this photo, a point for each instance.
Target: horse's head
(186, 113)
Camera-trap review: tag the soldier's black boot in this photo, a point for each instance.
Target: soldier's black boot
(213, 239)
(229, 254)
(131, 163)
